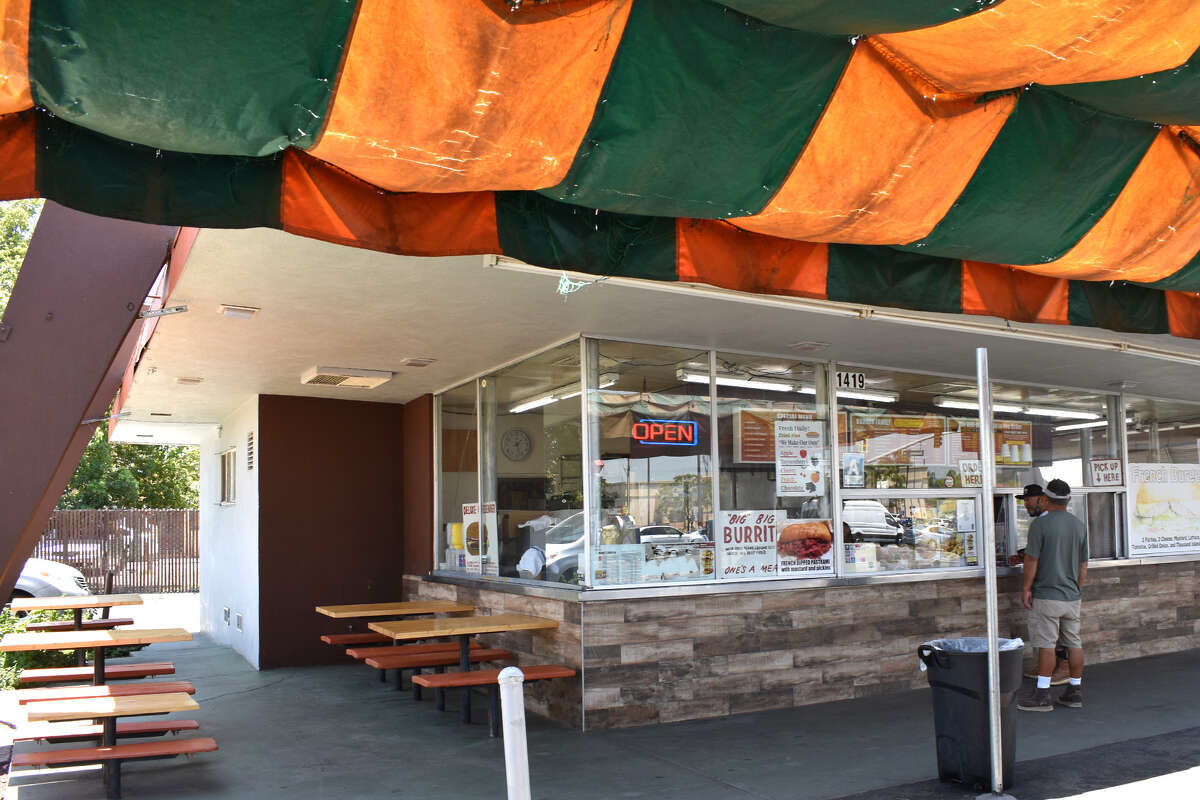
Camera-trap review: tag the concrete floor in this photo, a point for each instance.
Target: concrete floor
(336, 732)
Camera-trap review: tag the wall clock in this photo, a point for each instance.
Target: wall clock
(515, 444)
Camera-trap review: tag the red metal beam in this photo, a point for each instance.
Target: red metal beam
(70, 328)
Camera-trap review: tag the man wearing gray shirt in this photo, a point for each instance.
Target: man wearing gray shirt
(1055, 569)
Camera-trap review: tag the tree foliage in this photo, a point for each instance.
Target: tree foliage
(115, 475)
(17, 218)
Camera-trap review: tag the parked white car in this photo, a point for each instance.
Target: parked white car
(42, 578)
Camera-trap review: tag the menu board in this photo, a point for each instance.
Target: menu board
(619, 564)
(754, 433)
(1014, 440)
(1166, 509)
(765, 543)
(899, 438)
(800, 467)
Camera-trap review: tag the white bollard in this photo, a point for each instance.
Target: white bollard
(512, 712)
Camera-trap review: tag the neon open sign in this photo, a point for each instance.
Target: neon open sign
(681, 433)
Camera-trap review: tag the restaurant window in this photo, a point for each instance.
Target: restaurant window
(458, 480)
(532, 474)
(1164, 476)
(228, 477)
(651, 472)
(775, 515)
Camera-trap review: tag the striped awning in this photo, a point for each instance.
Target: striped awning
(1036, 160)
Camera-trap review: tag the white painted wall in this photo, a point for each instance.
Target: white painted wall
(229, 537)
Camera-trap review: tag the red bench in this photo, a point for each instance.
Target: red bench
(490, 679)
(111, 672)
(362, 653)
(90, 755)
(86, 625)
(439, 659)
(73, 731)
(107, 690)
(354, 638)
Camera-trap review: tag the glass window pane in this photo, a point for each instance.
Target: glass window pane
(1101, 525)
(1164, 476)
(1076, 506)
(649, 418)
(772, 423)
(458, 479)
(895, 534)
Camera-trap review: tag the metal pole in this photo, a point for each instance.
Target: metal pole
(987, 447)
(512, 709)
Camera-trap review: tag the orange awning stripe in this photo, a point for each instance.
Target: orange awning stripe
(997, 291)
(456, 97)
(1183, 314)
(1016, 42)
(323, 202)
(888, 158)
(1151, 229)
(14, 56)
(18, 154)
(718, 254)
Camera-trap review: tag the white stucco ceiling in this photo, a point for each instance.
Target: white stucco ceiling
(338, 306)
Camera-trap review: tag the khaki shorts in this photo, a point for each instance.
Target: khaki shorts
(1054, 622)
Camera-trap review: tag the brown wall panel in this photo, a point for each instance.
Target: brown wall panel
(418, 485)
(330, 522)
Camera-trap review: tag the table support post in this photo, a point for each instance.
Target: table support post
(98, 662)
(80, 654)
(112, 769)
(464, 663)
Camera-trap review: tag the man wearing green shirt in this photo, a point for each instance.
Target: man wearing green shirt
(1055, 569)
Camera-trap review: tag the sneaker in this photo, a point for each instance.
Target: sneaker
(1036, 700)
(1072, 696)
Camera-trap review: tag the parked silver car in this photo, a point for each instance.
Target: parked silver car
(42, 578)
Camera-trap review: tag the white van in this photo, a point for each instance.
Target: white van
(867, 521)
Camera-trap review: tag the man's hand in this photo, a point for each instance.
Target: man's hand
(1027, 598)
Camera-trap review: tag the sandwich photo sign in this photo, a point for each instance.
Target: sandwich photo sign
(1166, 510)
(755, 544)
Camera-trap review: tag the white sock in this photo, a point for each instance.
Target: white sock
(1075, 681)
(1043, 682)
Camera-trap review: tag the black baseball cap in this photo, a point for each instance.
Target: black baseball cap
(1058, 490)
(1031, 490)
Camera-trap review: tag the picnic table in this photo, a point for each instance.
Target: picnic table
(78, 604)
(463, 628)
(108, 709)
(97, 640)
(398, 608)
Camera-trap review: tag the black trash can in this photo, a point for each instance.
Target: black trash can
(958, 675)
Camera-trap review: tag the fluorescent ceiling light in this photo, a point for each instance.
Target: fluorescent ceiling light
(971, 405)
(743, 383)
(1062, 413)
(877, 397)
(604, 380)
(1075, 426)
(237, 312)
(537, 402)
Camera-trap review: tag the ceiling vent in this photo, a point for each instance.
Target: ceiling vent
(342, 376)
(417, 362)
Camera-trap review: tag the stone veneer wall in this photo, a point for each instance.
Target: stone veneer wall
(659, 660)
(559, 700)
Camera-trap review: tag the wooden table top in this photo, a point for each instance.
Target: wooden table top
(393, 609)
(82, 601)
(402, 629)
(110, 706)
(75, 640)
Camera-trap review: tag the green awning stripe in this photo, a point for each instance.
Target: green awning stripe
(703, 113)
(1171, 97)
(1052, 172)
(1125, 308)
(882, 276)
(234, 78)
(860, 16)
(100, 175)
(538, 230)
